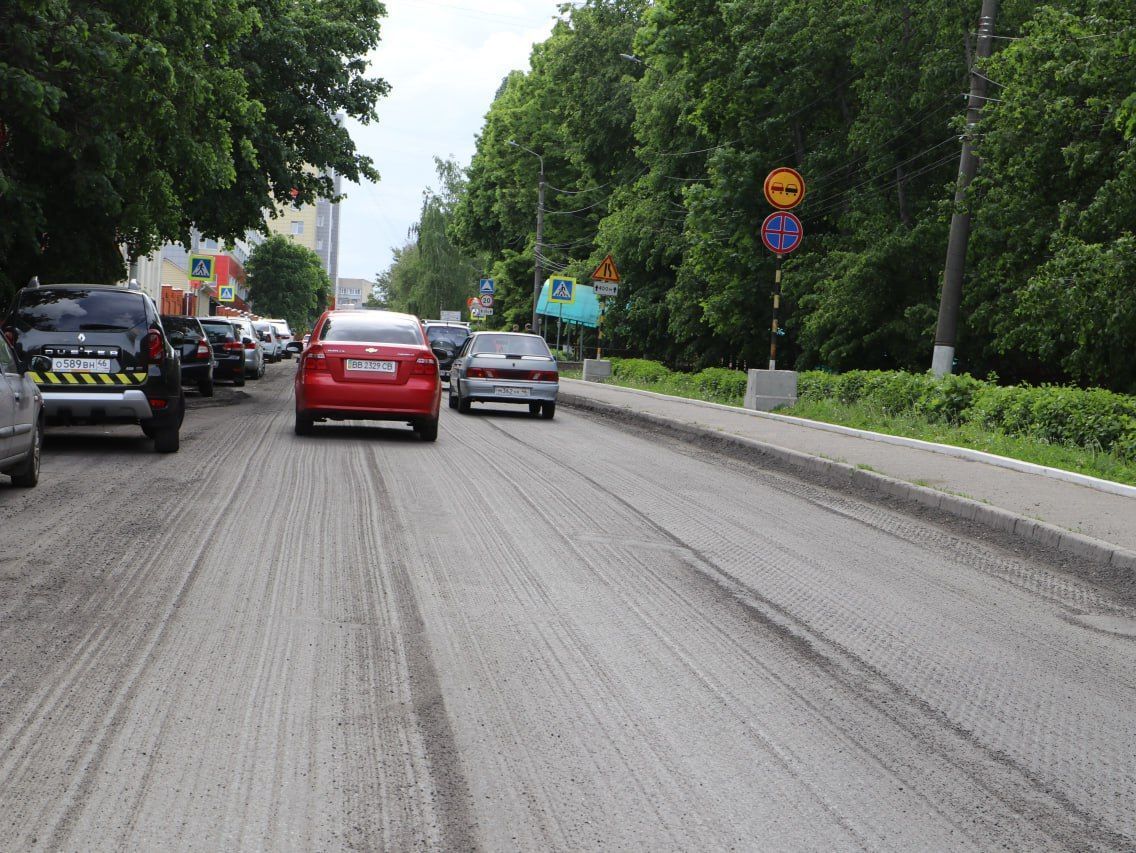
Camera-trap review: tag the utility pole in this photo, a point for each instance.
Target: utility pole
(538, 270)
(942, 362)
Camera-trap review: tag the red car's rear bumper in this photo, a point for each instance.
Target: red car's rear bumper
(320, 395)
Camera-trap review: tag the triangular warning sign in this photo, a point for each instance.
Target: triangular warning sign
(607, 271)
(201, 268)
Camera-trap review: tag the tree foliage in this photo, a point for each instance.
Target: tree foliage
(287, 280)
(660, 160)
(128, 123)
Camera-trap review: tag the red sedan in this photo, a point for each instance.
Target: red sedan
(368, 365)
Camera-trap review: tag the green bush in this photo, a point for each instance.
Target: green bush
(721, 384)
(639, 370)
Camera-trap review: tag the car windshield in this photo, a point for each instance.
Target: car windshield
(372, 327)
(455, 335)
(511, 345)
(219, 333)
(79, 310)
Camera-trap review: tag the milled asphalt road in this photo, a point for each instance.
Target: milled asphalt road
(531, 635)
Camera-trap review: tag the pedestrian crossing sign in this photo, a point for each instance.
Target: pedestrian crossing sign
(563, 291)
(201, 267)
(227, 293)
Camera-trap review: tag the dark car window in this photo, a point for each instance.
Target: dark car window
(7, 358)
(182, 330)
(453, 335)
(368, 327)
(510, 344)
(79, 310)
(219, 333)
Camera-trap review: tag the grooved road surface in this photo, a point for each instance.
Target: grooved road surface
(531, 635)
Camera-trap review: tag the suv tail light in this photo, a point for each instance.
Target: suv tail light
(233, 346)
(152, 349)
(425, 366)
(314, 359)
(203, 349)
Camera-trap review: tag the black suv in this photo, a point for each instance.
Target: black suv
(99, 355)
(446, 339)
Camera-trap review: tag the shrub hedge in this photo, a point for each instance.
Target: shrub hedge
(1093, 419)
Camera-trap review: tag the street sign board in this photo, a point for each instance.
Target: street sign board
(450, 316)
(607, 271)
(562, 291)
(487, 285)
(486, 312)
(782, 233)
(201, 267)
(784, 188)
(487, 300)
(605, 288)
(226, 293)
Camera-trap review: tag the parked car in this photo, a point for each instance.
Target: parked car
(447, 337)
(188, 336)
(283, 333)
(505, 367)
(369, 365)
(228, 350)
(254, 352)
(272, 346)
(21, 421)
(99, 355)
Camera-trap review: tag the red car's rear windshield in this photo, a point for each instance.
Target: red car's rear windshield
(372, 328)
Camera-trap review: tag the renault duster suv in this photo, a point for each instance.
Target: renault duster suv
(99, 355)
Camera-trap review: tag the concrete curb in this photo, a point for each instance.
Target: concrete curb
(839, 473)
(945, 449)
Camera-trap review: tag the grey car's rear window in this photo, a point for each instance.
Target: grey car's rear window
(78, 310)
(374, 328)
(511, 344)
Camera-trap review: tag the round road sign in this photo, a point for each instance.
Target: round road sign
(782, 233)
(784, 188)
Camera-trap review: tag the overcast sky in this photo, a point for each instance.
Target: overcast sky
(444, 60)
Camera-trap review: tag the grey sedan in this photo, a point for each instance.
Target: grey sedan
(505, 367)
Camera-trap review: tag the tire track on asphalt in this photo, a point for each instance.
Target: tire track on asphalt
(1060, 809)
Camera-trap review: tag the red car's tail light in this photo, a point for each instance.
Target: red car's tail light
(424, 367)
(314, 359)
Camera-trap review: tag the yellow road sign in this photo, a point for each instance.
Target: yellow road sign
(784, 188)
(607, 271)
(201, 267)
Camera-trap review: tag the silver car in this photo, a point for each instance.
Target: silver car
(254, 352)
(505, 367)
(21, 421)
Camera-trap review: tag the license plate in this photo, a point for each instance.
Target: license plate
(501, 391)
(376, 366)
(80, 365)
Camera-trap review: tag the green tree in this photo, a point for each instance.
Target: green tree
(287, 280)
(129, 123)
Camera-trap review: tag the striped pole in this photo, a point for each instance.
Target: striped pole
(776, 308)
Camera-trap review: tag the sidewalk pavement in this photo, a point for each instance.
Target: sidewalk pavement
(1035, 503)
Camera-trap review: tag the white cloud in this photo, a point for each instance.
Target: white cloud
(444, 60)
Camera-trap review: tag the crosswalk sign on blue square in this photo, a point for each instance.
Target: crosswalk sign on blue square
(563, 291)
(228, 293)
(201, 267)
(487, 286)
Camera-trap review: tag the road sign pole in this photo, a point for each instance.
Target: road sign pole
(776, 309)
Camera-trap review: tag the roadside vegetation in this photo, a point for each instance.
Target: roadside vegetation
(657, 122)
(1090, 432)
